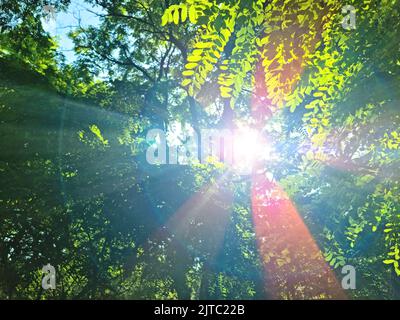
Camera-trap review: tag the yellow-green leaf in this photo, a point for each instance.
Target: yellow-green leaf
(191, 65)
(192, 14)
(164, 19)
(184, 13)
(194, 58)
(176, 16)
(188, 72)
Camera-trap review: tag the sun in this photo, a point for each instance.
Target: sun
(249, 148)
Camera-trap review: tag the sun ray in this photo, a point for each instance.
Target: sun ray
(294, 266)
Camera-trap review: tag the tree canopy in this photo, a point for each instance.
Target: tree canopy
(77, 191)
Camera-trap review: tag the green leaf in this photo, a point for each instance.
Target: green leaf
(329, 256)
(186, 82)
(192, 14)
(164, 19)
(191, 65)
(184, 13)
(176, 16)
(193, 58)
(226, 34)
(318, 94)
(188, 72)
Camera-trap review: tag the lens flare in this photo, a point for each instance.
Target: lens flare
(249, 148)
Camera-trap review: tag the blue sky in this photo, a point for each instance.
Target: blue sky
(78, 13)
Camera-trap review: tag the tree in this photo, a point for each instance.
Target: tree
(77, 191)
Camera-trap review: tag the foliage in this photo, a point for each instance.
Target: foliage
(76, 190)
